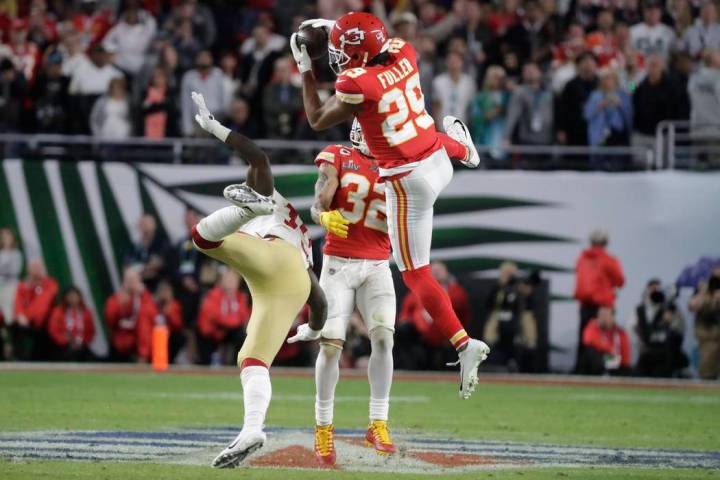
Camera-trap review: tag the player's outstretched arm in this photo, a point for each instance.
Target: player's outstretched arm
(320, 115)
(259, 176)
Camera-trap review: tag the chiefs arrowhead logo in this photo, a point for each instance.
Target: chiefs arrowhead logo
(354, 36)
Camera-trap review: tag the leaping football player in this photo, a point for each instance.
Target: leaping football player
(261, 237)
(379, 84)
(350, 205)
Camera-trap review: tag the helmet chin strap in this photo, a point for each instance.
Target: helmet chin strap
(365, 59)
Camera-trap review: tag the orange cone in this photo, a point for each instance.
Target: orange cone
(160, 339)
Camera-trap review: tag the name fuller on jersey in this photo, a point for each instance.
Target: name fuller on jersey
(399, 71)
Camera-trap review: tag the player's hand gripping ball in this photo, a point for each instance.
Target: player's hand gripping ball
(314, 39)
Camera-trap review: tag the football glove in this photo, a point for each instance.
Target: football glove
(206, 120)
(318, 23)
(304, 334)
(335, 223)
(300, 54)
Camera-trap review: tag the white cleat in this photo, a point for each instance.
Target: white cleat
(470, 359)
(458, 131)
(245, 197)
(243, 445)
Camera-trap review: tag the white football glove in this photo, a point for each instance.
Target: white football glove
(318, 23)
(304, 334)
(300, 54)
(206, 120)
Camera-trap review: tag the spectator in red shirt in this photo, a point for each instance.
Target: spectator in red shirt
(170, 314)
(607, 348)
(598, 275)
(415, 323)
(504, 18)
(91, 22)
(34, 299)
(72, 327)
(130, 315)
(24, 54)
(41, 24)
(223, 315)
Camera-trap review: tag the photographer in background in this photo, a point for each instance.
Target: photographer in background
(705, 304)
(660, 328)
(511, 328)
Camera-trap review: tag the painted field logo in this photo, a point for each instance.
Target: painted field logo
(292, 448)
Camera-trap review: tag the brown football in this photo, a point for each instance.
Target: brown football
(315, 41)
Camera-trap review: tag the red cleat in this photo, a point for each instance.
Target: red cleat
(378, 437)
(325, 444)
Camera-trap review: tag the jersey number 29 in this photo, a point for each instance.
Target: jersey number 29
(397, 127)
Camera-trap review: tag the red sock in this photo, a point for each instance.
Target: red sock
(252, 362)
(437, 303)
(454, 149)
(201, 242)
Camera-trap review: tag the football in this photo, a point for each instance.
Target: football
(315, 40)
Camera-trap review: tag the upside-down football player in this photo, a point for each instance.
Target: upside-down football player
(379, 84)
(264, 240)
(350, 204)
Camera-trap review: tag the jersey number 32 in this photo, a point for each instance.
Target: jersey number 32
(358, 199)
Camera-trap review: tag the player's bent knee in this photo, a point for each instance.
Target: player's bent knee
(330, 346)
(382, 338)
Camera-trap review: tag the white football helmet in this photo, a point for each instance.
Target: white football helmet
(358, 139)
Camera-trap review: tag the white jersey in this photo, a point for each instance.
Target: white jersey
(658, 39)
(284, 223)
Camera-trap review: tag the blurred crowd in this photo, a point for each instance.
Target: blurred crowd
(205, 307)
(524, 72)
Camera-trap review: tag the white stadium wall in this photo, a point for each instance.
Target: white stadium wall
(80, 218)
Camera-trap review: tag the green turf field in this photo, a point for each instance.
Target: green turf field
(576, 416)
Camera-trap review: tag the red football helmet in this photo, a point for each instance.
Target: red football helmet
(356, 38)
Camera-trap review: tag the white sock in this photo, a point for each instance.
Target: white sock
(380, 372)
(257, 392)
(327, 374)
(222, 223)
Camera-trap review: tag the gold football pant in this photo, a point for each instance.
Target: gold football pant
(279, 285)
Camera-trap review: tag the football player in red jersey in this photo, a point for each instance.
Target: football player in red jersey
(379, 84)
(350, 204)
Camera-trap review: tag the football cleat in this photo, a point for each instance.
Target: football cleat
(245, 197)
(243, 445)
(458, 131)
(470, 359)
(378, 437)
(325, 444)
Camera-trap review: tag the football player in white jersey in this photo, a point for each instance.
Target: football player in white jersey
(262, 237)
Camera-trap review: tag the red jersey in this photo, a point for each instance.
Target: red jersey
(360, 197)
(71, 324)
(608, 342)
(220, 313)
(395, 124)
(130, 323)
(35, 300)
